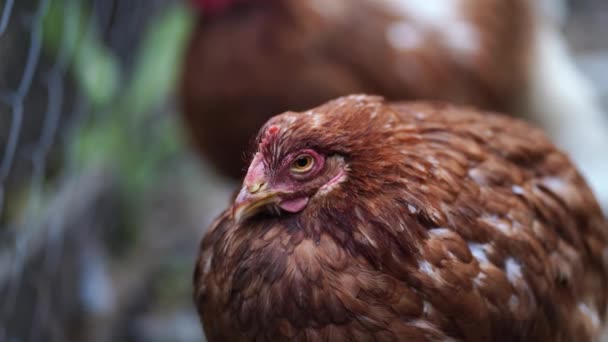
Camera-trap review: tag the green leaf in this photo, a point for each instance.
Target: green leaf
(68, 31)
(158, 61)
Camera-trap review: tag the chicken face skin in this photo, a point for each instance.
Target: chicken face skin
(287, 184)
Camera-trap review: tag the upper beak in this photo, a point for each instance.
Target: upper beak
(250, 199)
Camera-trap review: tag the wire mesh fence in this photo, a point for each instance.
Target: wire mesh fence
(31, 85)
(77, 77)
(89, 150)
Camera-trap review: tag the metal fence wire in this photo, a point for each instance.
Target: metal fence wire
(32, 93)
(54, 81)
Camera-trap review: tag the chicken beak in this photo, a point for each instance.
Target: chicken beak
(255, 193)
(250, 199)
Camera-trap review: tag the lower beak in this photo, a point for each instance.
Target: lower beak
(247, 203)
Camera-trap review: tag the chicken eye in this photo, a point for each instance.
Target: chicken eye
(302, 164)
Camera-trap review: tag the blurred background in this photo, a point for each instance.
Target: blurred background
(102, 201)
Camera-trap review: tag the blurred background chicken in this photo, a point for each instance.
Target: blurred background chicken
(250, 59)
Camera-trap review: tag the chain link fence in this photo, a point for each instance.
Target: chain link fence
(89, 144)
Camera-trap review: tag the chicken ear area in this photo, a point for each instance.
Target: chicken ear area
(294, 205)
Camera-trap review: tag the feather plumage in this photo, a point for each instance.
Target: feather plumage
(443, 223)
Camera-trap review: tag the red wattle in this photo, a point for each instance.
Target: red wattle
(295, 205)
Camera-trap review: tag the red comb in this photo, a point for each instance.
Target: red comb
(269, 136)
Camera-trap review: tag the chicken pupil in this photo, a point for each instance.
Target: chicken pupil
(302, 162)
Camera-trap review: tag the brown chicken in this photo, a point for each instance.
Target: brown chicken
(251, 59)
(369, 220)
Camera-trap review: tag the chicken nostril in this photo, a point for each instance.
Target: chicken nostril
(255, 187)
